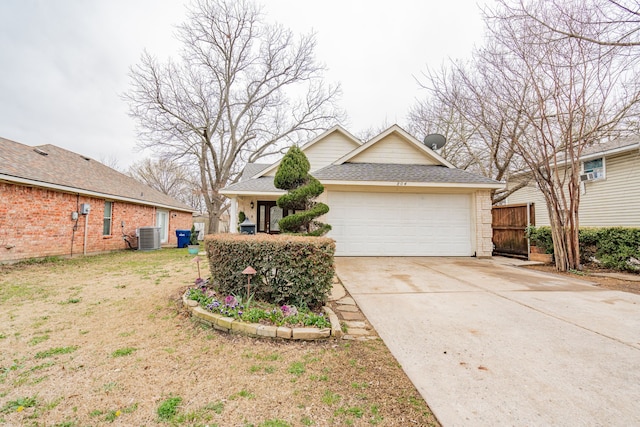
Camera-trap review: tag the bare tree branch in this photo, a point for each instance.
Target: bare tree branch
(579, 93)
(241, 90)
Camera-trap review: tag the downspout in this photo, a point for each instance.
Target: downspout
(528, 225)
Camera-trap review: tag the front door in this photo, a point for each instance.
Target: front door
(268, 216)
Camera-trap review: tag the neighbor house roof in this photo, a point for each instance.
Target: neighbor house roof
(608, 148)
(53, 167)
(611, 147)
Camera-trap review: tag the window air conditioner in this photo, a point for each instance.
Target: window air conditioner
(589, 176)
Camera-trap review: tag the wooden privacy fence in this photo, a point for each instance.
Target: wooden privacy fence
(509, 224)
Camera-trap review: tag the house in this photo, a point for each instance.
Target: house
(54, 202)
(390, 196)
(610, 187)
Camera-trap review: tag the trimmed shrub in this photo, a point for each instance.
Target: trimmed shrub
(540, 237)
(293, 176)
(294, 270)
(616, 248)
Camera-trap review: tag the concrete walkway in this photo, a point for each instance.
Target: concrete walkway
(489, 344)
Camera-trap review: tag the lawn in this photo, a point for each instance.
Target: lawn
(102, 340)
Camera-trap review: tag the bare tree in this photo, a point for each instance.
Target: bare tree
(230, 98)
(171, 178)
(110, 161)
(579, 93)
(480, 115)
(607, 22)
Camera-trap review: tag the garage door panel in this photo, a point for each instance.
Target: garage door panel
(400, 224)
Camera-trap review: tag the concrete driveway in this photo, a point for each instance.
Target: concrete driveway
(490, 344)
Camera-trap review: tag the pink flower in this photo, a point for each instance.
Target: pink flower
(289, 310)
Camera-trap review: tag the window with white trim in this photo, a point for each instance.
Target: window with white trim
(594, 167)
(106, 224)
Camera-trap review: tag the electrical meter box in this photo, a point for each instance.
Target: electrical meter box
(85, 208)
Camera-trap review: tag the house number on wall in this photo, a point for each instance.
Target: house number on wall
(401, 184)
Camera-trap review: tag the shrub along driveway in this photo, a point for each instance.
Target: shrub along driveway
(487, 343)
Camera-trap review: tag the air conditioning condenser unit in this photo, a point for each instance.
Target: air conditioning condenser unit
(148, 238)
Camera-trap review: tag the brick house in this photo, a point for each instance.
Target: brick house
(54, 202)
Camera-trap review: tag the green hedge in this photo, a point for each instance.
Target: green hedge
(611, 247)
(540, 237)
(293, 270)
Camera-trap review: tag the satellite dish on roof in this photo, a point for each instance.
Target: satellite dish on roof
(435, 141)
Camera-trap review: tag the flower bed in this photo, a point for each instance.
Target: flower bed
(257, 318)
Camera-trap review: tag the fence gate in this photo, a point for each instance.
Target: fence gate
(509, 224)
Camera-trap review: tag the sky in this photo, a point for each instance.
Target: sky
(64, 64)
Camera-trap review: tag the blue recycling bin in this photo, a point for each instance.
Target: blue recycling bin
(184, 236)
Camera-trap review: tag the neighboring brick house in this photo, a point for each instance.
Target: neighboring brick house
(44, 189)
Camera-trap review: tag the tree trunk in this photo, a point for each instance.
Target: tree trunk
(213, 209)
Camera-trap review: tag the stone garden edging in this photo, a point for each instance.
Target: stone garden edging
(258, 330)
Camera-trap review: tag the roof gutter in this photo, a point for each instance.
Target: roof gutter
(610, 152)
(465, 185)
(587, 157)
(66, 189)
(250, 193)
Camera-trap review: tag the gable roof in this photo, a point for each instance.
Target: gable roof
(263, 185)
(406, 136)
(343, 172)
(53, 167)
(252, 169)
(322, 136)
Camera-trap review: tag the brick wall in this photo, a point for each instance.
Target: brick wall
(37, 222)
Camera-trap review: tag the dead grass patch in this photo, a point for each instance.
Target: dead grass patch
(118, 349)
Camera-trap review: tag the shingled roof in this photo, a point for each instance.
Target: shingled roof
(54, 167)
(252, 169)
(386, 172)
(369, 172)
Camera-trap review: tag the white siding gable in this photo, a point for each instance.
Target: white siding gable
(326, 151)
(394, 149)
(329, 149)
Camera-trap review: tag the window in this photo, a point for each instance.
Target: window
(595, 167)
(106, 224)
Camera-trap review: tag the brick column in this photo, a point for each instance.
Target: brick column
(484, 232)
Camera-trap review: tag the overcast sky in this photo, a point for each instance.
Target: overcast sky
(64, 63)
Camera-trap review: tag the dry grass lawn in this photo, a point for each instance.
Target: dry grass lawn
(102, 341)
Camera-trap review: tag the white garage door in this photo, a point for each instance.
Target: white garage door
(400, 224)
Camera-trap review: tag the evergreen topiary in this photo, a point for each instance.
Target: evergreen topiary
(302, 189)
